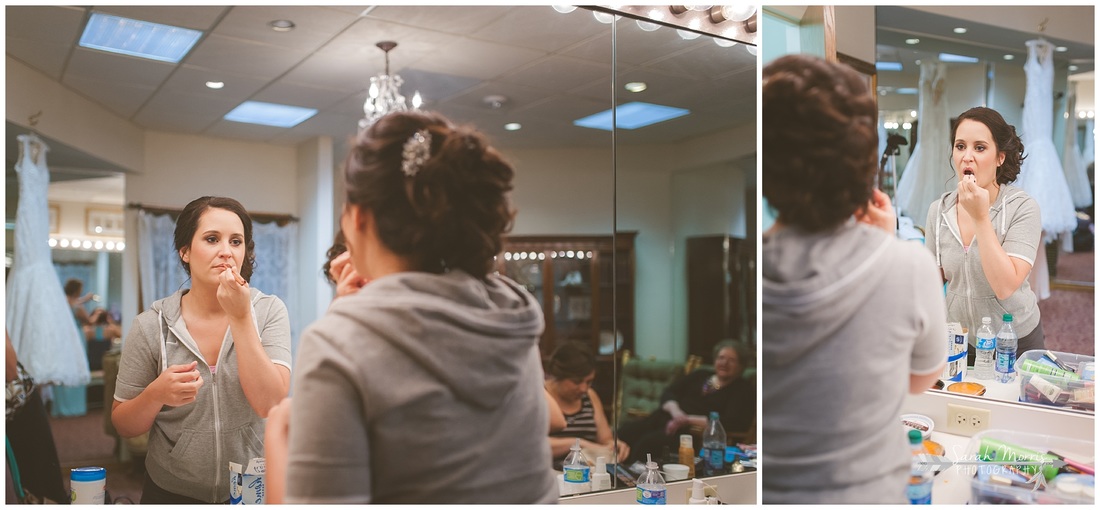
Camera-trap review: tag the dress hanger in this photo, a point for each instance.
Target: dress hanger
(35, 143)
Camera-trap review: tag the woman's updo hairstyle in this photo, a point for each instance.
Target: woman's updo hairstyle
(819, 141)
(1004, 137)
(451, 210)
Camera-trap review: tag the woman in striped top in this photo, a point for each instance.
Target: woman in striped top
(571, 370)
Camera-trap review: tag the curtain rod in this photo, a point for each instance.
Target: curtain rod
(258, 217)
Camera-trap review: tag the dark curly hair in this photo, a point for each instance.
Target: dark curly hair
(819, 139)
(452, 213)
(571, 360)
(1004, 138)
(339, 246)
(188, 222)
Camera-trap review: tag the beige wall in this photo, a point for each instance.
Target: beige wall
(855, 31)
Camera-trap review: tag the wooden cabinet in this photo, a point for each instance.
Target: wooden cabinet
(721, 286)
(572, 277)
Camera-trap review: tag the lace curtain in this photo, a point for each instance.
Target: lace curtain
(276, 261)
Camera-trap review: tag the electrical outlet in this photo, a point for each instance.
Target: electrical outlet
(965, 420)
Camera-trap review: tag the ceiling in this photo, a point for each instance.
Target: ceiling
(553, 68)
(935, 30)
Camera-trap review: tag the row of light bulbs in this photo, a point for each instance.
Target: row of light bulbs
(718, 14)
(569, 254)
(86, 244)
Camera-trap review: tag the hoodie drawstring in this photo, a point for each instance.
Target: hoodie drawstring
(163, 341)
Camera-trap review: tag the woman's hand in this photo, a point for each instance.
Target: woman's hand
(879, 212)
(973, 199)
(233, 295)
(276, 446)
(178, 385)
(675, 424)
(619, 449)
(347, 278)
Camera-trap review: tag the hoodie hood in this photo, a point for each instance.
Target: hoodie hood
(475, 337)
(814, 283)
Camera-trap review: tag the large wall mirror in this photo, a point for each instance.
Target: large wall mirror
(935, 62)
(636, 239)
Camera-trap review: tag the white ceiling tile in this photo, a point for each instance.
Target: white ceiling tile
(557, 73)
(360, 40)
(334, 71)
(197, 111)
(192, 80)
(313, 25)
(52, 25)
(122, 98)
(100, 65)
(541, 28)
(243, 131)
(442, 18)
(297, 95)
(467, 57)
(518, 96)
(45, 57)
(220, 53)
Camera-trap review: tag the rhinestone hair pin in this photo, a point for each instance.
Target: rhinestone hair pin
(416, 152)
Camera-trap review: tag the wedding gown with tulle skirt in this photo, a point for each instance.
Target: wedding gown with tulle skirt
(1041, 173)
(39, 320)
(1073, 164)
(927, 174)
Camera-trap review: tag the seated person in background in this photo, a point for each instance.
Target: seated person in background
(73, 289)
(571, 370)
(686, 403)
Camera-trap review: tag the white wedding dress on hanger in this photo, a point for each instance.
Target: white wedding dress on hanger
(1041, 173)
(927, 174)
(39, 320)
(1072, 162)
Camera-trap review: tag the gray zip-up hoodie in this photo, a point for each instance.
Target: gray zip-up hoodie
(1016, 221)
(848, 315)
(191, 446)
(422, 388)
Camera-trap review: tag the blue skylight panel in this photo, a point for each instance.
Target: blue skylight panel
(631, 116)
(948, 57)
(136, 38)
(270, 114)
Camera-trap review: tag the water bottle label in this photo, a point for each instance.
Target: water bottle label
(651, 496)
(920, 493)
(716, 459)
(576, 474)
(986, 343)
(1005, 362)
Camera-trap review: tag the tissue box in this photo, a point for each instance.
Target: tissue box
(1063, 391)
(987, 492)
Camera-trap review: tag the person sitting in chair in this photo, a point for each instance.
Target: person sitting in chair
(687, 402)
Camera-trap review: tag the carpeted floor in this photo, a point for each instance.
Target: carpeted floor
(1069, 315)
(81, 442)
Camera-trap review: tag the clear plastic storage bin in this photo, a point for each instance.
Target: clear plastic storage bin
(1055, 390)
(1032, 445)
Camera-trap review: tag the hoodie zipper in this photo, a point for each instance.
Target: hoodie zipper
(214, 392)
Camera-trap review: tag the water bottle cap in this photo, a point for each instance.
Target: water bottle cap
(987, 320)
(601, 464)
(1007, 317)
(576, 445)
(915, 437)
(685, 440)
(714, 415)
(87, 474)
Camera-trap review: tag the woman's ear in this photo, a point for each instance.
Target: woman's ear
(185, 255)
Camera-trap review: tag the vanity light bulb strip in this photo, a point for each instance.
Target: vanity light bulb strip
(87, 244)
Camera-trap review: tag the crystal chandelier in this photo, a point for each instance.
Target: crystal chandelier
(385, 93)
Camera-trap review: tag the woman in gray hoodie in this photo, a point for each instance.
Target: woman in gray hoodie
(853, 317)
(425, 385)
(986, 234)
(201, 368)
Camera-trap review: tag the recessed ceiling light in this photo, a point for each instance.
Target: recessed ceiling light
(1061, 49)
(1009, 57)
(282, 25)
(215, 84)
(631, 116)
(960, 30)
(635, 86)
(912, 41)
(138, 38)
(1072, 67)
(270, 114)
(513, 126)
(917, 62)
(913, 113)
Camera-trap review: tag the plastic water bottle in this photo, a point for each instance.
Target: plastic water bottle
(1006, 351)
(576, 472)
(920, 479)
(650, 486)
(985, 353)
(714, 446)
